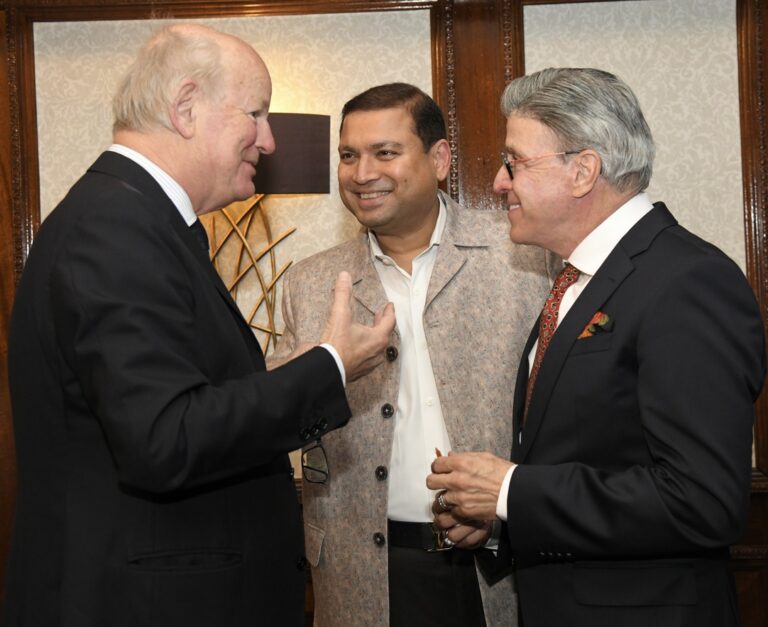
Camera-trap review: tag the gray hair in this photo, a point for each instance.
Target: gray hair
(588, 108)
(170, 57)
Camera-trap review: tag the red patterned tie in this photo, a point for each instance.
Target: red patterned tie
(548, 323)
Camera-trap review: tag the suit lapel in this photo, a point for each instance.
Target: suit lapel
(459, 233)
(141, 182)
(366, 285)
(614, 270)
(521, 386)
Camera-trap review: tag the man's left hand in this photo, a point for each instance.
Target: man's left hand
(471, 481)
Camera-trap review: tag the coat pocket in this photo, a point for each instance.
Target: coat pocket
(594, 344)
(313, 542)
(187, 560)
(634, 584)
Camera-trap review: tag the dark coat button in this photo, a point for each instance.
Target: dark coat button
(304, 434)
(314, 431)
(387, 410)
(391, 353)
(301, 563)
(291, 473)
(381, 473)
(323, 424)
(379, 539)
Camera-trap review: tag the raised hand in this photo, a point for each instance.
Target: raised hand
(360, 347)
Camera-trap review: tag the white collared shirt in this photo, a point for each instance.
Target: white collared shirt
(587, 258)
(172, 189)
(419, 426)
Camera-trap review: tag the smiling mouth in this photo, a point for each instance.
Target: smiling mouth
(371, 195)
(512, 206)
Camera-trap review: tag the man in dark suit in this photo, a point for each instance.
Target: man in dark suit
(154, 482)
(634, 405)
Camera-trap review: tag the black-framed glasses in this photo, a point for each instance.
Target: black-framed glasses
(511, 163)
(314, 464)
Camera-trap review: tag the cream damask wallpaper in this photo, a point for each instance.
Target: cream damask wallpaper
(317, 63)
(679, 56)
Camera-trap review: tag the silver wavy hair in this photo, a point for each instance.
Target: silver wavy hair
(589, 108)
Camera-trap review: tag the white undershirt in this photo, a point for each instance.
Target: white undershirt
(587, 258)
(419, 425)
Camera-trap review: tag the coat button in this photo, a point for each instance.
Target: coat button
(379, 539)
(387, 410)
(304, 434)
(314, 431)
(391, 353)
(301, 563)
(323, 424)
(381, 473)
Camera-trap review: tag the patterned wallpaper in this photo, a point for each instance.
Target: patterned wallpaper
(317, 63)
(680, 58)
(678, 55)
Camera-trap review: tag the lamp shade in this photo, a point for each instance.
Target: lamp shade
(301, 161)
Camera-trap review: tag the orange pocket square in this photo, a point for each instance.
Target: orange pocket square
(599, 322)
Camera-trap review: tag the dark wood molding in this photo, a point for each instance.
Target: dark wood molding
(752, 27)
(8, 256)
(477, 47)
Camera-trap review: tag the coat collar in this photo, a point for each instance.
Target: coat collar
(615, 269)
(461, 232)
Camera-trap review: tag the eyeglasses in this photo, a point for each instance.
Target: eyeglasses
(314, 464)
(511, 163)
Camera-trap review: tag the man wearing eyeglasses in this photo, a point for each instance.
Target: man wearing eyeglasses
(633, 412)
(463, 297)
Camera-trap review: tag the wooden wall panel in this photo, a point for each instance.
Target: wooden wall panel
(7, 276)
(477, 48)
(750, 559)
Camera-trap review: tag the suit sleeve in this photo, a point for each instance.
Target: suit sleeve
(694, 369)
(163, 366)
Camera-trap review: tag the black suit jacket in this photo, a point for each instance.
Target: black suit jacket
(154, 484)
(635, 456)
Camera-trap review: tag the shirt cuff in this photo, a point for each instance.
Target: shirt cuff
(501, 504)
(338, 361)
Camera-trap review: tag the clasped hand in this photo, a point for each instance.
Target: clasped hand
(469, 484)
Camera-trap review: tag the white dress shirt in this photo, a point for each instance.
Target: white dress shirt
(419, 426)
(172, 189)
(587, 258)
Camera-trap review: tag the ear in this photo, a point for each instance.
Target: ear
(441, 155)
(181, 110)
(588, 167)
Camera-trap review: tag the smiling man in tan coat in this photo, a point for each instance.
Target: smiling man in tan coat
(464, 297)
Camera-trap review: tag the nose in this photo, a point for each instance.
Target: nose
(364, 170)
(265, 141)
(501, 182)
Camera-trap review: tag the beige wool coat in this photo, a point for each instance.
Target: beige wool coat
(483, 297)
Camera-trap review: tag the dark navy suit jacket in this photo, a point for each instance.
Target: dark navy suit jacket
(154, 482)
(635, 456)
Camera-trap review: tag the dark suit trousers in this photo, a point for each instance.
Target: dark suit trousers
(433, 589)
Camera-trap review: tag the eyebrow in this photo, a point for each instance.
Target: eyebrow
(375, 146)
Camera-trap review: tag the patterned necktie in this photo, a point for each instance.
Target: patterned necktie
(199, 230)
(548, 324)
